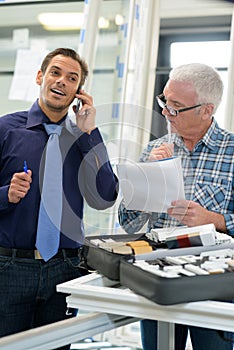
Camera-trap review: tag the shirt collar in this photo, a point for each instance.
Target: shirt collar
(210, 137)
(37, 117)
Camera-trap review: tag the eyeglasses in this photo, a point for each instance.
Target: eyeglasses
(162, 103)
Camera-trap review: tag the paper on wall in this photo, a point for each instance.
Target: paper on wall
(23, 86)
(151, 186)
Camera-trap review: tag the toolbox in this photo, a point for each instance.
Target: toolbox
(100, 256)
(182, 277)
(103, 253)
(161, 274)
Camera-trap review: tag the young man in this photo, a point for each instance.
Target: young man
(28, 296)
(189, 101)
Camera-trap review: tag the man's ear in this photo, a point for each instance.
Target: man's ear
(39, 77)
(208, 110)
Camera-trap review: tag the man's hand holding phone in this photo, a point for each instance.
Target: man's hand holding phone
(85, 112)
(79, 101)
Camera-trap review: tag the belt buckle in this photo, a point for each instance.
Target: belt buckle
(37, 255)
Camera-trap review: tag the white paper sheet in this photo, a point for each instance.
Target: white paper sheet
(151, 186)
(23, 86)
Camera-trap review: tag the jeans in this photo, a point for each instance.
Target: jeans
(201, 338)
(28, 296)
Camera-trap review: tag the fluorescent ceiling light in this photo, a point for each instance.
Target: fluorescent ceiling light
(66, 20)
(61, 20)
(103, 23)
(119, 20)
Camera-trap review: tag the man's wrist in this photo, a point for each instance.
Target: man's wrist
(219, 221)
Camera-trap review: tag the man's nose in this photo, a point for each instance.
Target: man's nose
(61, 80)
(165, 112)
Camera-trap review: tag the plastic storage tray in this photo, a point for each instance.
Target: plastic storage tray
(168, 291)
(105, 262)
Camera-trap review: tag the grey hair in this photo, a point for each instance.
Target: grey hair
(205, 79)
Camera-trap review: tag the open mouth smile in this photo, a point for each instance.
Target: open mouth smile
(58, 92)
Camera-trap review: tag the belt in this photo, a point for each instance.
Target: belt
(34, 254)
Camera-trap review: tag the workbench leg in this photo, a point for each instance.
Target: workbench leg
(166, 335)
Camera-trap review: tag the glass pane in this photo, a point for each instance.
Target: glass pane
(105, 84)
(25, 32)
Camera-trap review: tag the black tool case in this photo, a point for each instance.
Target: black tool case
(167, 291)
(106, 262)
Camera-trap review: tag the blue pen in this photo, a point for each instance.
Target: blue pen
(25, 167)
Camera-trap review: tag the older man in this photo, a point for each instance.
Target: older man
(189, 100)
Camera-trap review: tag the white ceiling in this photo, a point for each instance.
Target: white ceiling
(26, 15)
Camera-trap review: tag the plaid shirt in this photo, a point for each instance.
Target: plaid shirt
(208, 179)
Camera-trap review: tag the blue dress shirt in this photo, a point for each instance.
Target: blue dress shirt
(87, 174)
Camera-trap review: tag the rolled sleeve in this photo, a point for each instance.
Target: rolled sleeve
(131, 220)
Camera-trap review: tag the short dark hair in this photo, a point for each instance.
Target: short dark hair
(68, 53)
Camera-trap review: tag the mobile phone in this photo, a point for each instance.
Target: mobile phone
(79, 101)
